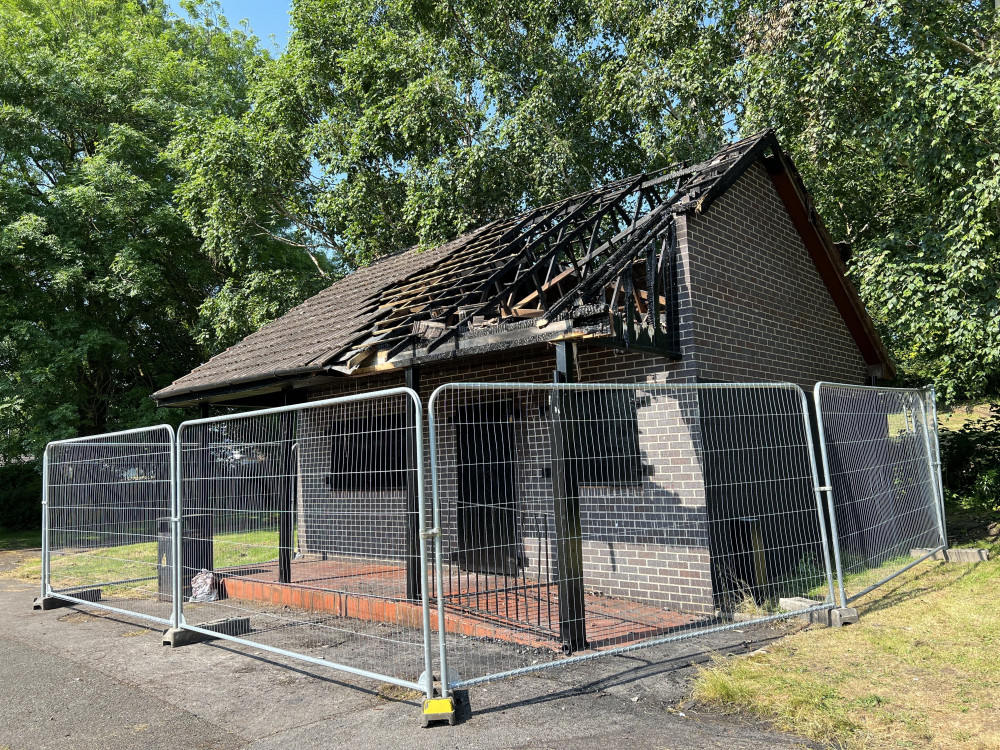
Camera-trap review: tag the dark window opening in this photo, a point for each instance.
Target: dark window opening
(606, 446)
(369, 453)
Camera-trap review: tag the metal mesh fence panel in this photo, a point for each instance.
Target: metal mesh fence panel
(301, 532)
(106, 520)
(582, 520)
(879, 449)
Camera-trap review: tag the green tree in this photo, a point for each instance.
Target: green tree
(892, 111)
(106, 291)
(393, 122)
(389, 123)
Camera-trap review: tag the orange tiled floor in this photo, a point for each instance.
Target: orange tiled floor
(519, 610)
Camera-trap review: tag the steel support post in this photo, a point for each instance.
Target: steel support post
(288, 481)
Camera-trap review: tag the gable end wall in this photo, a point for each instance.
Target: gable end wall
(761, 310)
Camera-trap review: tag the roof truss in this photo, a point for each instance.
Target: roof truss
(611, 247)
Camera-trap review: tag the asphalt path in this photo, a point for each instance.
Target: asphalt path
(71, 678)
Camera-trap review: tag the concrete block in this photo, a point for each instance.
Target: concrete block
(797, 603)
(55, 602)
(955, 555)
(843, 616)
(176, 637)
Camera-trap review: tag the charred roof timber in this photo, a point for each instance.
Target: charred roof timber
(601, 265)
(609, 252)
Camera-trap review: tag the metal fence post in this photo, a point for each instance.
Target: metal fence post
(436, 532)
(177, 610)
(287, 482)
(818, 488)
(828, 489)
(416, 571)
(46, 550)
(933, 468)
(418, 452)
(936, 464)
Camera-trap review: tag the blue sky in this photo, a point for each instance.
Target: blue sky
(266, 17)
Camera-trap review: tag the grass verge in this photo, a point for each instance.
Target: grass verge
(103, 564)
(921, 668)
(20, 539)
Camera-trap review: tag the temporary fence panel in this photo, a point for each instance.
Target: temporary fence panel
(301, 533)
(880, 457)
(583, 520)
(106, 521)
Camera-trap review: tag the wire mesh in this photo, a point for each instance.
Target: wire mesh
(582, 520)
(107, 521)
(879, 450)
(301, 532)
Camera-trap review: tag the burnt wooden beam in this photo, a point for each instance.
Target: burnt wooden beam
(569, 215)
(603, 275)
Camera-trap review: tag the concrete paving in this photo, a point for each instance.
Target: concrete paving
(72, 678)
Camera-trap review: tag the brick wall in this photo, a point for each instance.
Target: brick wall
(753, 308)
(761, 312)
(760, 308)
(642, 541)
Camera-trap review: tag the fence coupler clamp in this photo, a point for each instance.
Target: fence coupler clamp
(430, 533)
(438, 709)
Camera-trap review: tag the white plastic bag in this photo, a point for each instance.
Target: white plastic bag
(203, 588)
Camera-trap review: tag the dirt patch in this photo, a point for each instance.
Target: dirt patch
(12, 559)
(397, 693)
(76, 617)
(973, 528)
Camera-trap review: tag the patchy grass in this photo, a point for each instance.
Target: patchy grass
(127, 561)
(919, 670)
(20, 539)
(958, 415)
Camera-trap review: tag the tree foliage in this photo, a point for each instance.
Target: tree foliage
(892, 111)
(107, 292)
(389, 122)
(970, 463)
(166, 187)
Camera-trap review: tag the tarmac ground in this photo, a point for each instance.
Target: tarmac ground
(80, 678)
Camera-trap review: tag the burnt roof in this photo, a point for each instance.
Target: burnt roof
(546, 264)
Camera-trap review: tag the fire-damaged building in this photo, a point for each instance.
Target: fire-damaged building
(713, 272)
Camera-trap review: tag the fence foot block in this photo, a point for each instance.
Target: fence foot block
(54, 602)
(796, 604)
(176, 637)
(843, 616)
(973, 555)
(438, 709)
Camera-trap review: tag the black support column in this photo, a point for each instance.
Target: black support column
(566, 505)
(413, 573)
(287, 489)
